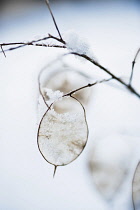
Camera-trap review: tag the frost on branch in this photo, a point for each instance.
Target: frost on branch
(62, 136)
(136, 187)
(76, 43)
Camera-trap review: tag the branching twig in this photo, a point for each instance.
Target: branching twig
(32, 43)
(56, 38)
(37, 45)
(129, 87)
(86, 86)
(133, 65)
(23, 44)
(3, 51)
(47, 2)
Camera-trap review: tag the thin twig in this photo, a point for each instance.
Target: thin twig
(47, 2)
(133, 65)
(133, 185)
(86, 86)
(56, 38)
(22, 44)
(40, 45)
(129, 87)
(37, 45)
(55, 167)
(3, 51)
(32, 43)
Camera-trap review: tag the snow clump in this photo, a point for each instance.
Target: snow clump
(76, 43)
(52, 96)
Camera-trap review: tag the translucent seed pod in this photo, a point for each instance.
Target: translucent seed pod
(136, 187)
(65, 79)
(109, 164)
(63, 135)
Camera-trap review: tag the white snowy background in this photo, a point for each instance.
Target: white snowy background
(26, 183)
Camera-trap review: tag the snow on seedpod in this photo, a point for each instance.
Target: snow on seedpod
(63, 135)
(52, 96)
(65, 81)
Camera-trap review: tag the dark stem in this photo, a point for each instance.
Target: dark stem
(55, 167)
(32, 43)
(129, 87)
(133, 65)
(3, 51)
(56, 38)
(23, 44)
(47, 2)
(86, 86)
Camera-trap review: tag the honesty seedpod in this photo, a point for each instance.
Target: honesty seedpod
(62, 136)
(109, 169)
(136, 187)
(66, 81)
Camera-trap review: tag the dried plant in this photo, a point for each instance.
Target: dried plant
(136, 188)
(63, 136)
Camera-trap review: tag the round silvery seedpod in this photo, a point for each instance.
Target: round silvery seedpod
(65, 79)
(62, 136)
